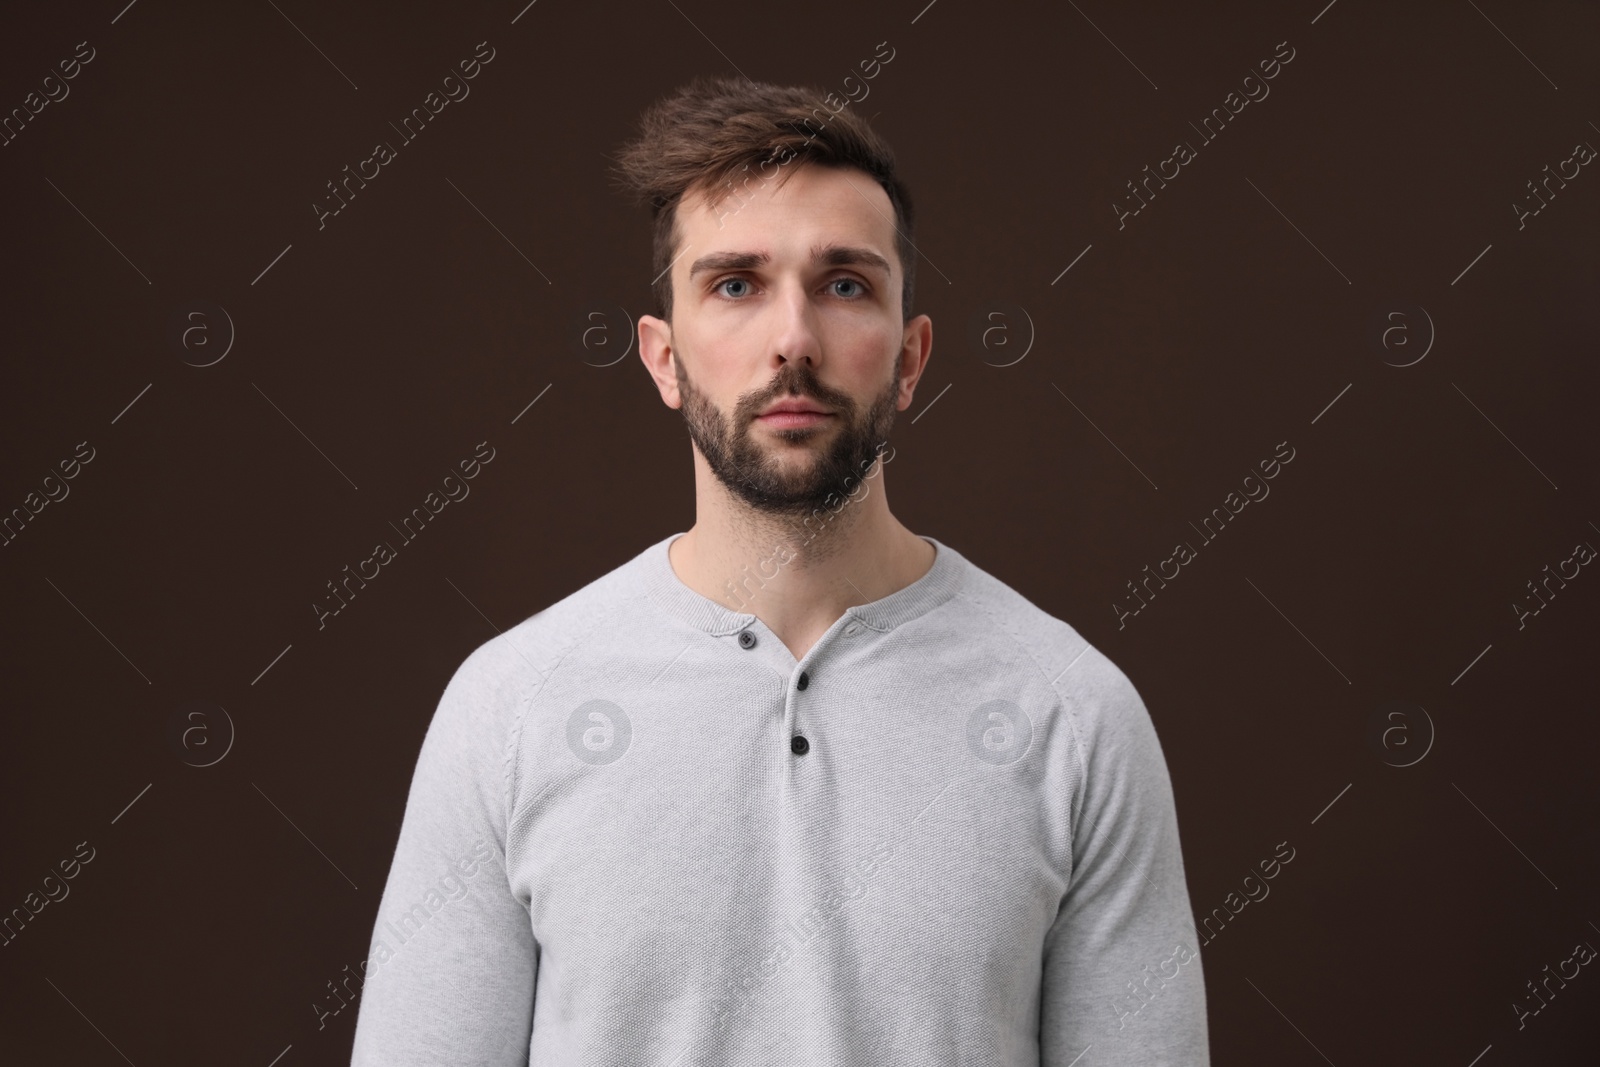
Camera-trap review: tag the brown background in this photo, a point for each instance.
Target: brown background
(378, 351)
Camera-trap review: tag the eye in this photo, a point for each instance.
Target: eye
(719, 289)
(729, 281)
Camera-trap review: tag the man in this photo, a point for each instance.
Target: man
(797, 786)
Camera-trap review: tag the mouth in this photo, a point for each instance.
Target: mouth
(795, 405)
(786, 419)
(791, 412)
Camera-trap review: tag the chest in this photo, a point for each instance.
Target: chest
(670, 838)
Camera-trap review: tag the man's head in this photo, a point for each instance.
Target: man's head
(724, 137)
(783, 254)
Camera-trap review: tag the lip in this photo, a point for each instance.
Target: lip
(793, 406)
(787, 419)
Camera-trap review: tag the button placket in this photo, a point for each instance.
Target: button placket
(798, 743)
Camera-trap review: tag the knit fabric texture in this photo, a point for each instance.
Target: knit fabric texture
(639, 832)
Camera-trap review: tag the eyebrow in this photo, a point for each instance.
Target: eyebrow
(830, 255)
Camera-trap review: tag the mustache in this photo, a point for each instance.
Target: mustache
(800, 387)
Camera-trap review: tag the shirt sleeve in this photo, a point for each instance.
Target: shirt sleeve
(449, 978)
(1121, 964)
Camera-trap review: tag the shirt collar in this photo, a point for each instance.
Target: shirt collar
(665, 589)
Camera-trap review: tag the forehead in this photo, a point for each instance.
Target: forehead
(813, 206)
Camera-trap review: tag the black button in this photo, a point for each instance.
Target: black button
(747, 639)
(805, 680)
(799, 745)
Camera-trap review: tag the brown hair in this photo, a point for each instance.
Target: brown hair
(713, 129)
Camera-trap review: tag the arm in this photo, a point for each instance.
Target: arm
(1121, 967)
(450, 975)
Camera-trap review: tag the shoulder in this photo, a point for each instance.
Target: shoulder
(519, 658)
(497, 681)
(1100, 699)
(1116, 757)
(1074, 666)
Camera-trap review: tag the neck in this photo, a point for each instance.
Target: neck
(797, 573)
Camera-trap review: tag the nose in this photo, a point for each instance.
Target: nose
(794, 329)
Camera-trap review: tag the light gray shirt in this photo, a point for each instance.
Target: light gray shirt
(641, 833)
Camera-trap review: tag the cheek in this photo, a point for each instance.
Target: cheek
(717, 373)
(867, 361)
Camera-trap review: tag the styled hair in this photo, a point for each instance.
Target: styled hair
(716, 134)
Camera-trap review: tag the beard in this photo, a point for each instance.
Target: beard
(810, 474)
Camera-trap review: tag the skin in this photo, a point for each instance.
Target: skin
(741, 338)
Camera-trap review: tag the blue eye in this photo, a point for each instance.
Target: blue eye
(719, 287)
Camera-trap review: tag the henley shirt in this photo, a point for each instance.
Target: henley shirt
(641, 833)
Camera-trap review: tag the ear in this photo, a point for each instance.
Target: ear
(655, 349)
(916, 345)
